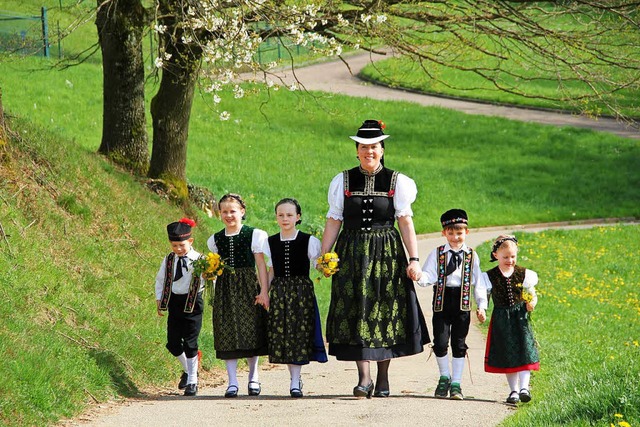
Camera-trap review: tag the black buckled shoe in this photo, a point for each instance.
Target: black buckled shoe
(183, 381)
(513, 398)
(297, 391)
(191, 390)
(525, 395)
(254, 391)
(232, 391)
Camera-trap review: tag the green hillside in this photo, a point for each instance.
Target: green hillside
(81, 243)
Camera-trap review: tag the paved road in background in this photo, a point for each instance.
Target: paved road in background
(336, 77)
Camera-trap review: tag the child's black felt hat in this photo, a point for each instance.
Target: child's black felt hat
(180, 230)
(453, 216)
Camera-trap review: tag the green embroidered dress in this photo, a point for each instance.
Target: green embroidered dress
(239, 325)
(374, 313)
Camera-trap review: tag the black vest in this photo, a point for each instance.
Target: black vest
(289, 257)
(368, 199)
(236, 250)
(506, 292)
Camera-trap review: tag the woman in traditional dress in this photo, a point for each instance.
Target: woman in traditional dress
(374, 314)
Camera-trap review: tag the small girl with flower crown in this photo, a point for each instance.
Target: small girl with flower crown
(511, 347)
(295, 332)
(241, 295)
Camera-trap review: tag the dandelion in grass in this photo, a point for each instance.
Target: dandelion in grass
(328, 264)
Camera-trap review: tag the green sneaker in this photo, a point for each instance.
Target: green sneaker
(442, 390)
(455, 392)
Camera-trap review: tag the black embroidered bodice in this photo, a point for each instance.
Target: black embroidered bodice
(506, 291)
(236, 250)
(289, 257)
(368, 199)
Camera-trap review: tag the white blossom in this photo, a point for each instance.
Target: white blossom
(160, 29)
(365, 18)
(381, 18)
(158, 62)
(225, 116)
(216, 99)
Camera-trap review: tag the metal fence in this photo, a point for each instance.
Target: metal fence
(24, 34)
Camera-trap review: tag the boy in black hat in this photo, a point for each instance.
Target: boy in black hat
(179, 292)
(452, 269)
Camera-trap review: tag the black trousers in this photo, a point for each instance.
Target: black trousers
(183, 328)
(450, 324)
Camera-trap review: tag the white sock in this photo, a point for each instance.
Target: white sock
(294, 371)
(253, 368)
(443, 366)
(512, 379)
(232, 368)
(457, 365)
(192, 363)
(524, 377)
(183, 361)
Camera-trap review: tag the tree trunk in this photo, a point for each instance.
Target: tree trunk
(170, 112)
(124, 135)
(171, 106)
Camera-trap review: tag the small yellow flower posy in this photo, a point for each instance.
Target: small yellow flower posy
(328, 263)
(524, 293)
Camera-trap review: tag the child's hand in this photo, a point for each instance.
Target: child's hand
(530, 306)
(263, 300)
(482, 315)
(160, 312)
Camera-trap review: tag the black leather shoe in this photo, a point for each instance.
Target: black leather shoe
(253, 390)
(297, 392)
(191, 390)
(513, 398)
(232, 391)
(183, 381)
(363, 391)
(525, 395)
(381, 393)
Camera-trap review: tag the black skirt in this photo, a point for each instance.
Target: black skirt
(239, 325)
(374, 312)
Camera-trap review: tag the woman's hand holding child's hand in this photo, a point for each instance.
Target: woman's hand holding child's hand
(482, 315)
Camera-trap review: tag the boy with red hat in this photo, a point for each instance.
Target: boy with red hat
(179, 292)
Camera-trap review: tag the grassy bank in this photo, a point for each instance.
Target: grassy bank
(587, 324)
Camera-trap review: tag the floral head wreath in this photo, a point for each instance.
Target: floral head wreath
(499, 242)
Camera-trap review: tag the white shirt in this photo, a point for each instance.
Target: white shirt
(313, 250)
(484, 286)
(180, 286)
(430, 268)
(405, 194)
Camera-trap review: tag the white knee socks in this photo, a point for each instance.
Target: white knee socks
(294, 372)
(512, 379)
(457, 365)
(443, 366)
(253, 369)
(232, 368)
(183, 361)
(524, 377)
(192, 365)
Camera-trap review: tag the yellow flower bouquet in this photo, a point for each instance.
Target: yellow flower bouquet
(525, 295)
(210, 266)
(328, 264)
